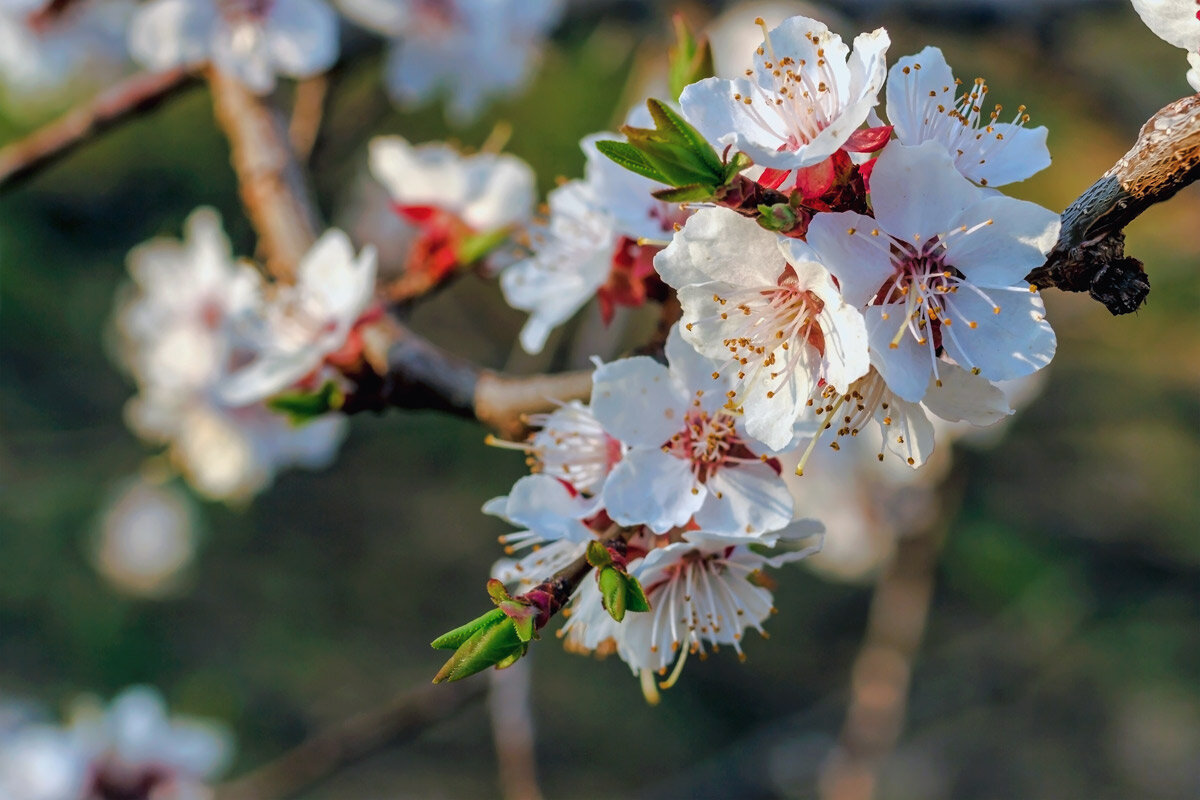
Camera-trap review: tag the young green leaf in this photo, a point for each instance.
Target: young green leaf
(455, 638)
(630, 158)
(685, 194)
(665, 119)
(612, 592)
(635, 598)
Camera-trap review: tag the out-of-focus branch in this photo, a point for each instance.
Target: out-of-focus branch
(271, 182)
(351, 741)
(882, 671)
(512, 731)
(128, 98)
(1090, 254)
(308, 111)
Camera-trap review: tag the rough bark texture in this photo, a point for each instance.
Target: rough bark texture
(1090, 254)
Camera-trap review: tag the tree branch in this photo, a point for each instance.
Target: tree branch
(271, 181)
(353, 740)
(882, 671)
(1090, 254)
(132, 96)
(422, 375)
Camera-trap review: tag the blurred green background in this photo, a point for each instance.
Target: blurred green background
(1063, 655)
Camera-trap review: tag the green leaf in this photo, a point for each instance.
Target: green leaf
(685, 194)
(455, 638)
(635, 598)
(674, 162)
(612, 592)
(690, 60)
(303, 407)
(630, 158)
(665, 119)
(473, 247)
(495, 645)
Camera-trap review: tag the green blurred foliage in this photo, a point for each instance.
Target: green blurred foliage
(1062, 658)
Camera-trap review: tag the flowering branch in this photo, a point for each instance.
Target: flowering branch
(350, 741)
(1090, 254)
(132, 96)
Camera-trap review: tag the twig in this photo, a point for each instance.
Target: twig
(271, 182)
(352, 740)
(132, 96)
(1090, 254)
(883, 669)
(422, 375)
(512, 731)
(308, 110)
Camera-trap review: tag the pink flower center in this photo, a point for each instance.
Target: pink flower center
(710, 443)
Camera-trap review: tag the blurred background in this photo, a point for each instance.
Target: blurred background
(1061, 659)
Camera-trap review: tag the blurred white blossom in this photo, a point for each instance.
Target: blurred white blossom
(468, 50)
(179, 340)
(252, 40)
(45, 49)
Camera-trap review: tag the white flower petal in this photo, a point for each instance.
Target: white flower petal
(169, 33)
(1003, 251)
(654, 489)
(1174, 21)
(718, 244)
(917, 191)
(638, 401)
(845, 245)
(747, 498)
(302, 37)
(1014, 342)
(907, 367)
(909, 434)
(964, 397)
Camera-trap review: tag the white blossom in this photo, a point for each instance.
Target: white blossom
(470, 50)
(924, 104)
(304, 323)
(43, 49)
(940, 272)
(133, 746)
(572, 258)
(486, 191)
(688, 456)
(179, 342)
(704, 591)
(252, 40)
(768, 313)
(146, 537)
(1177, 22)
(804, 98)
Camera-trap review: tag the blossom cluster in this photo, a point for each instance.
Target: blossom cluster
(207, 343)
(132, 748)
(839, 277)
(882, 286)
